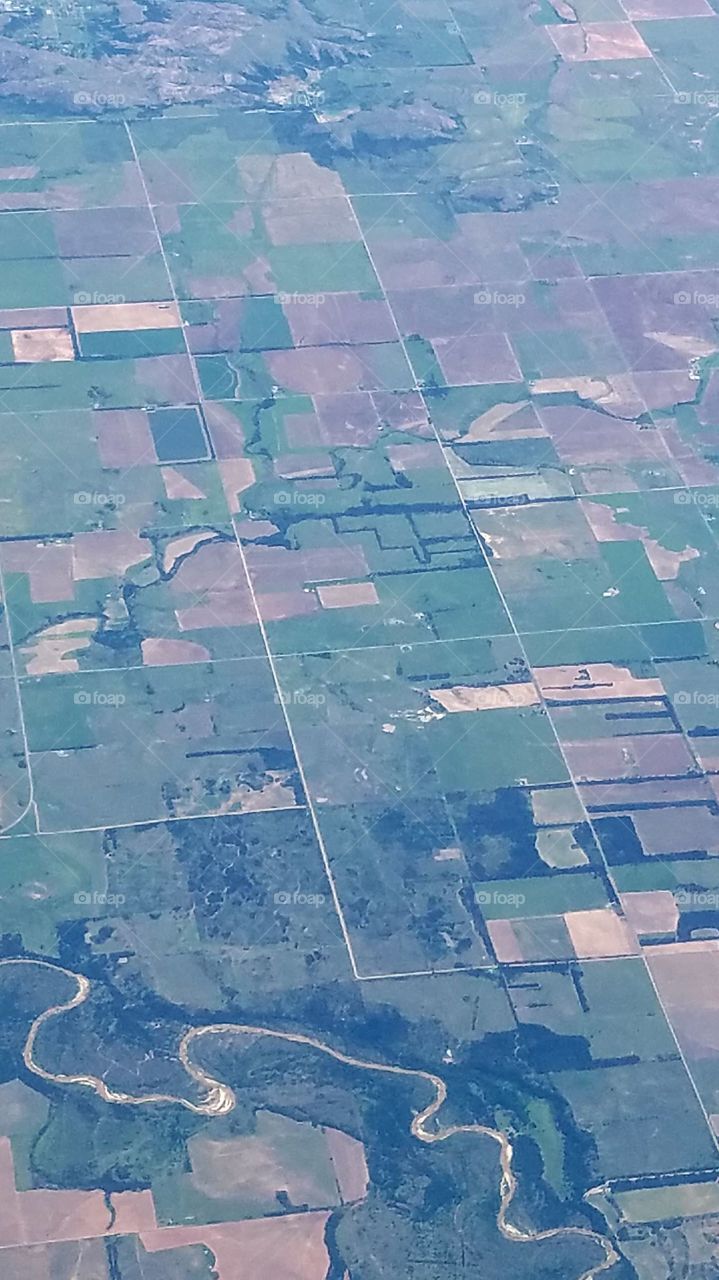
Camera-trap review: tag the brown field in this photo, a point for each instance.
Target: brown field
(287, 177)
(256, 278)
(222, 332)
(347, 595)
(612, 713)
(600, 795)
(637, 9)
(707, 753)
(50, 650)
(534, 530)
(516, 421)
(699, 949)
(477, 358)
(614, 758)
(18, 172)
(468, 257)
(317, 220)
(486, 698)
(276, 605)
(236, 475)
(104, 232)
(34, 318)
(178, 485)
(617, 392)
(586, 436)
(32, 346)
(349, 1164)
(28, 1217)
(166, 378)
(599, 932)
(108, 553)
(66, 1260)
(292, 1247)
(350, 419)
(161, 652)
(124, 438)
(412, 457)
(339, 317)
(48, 566)
(687, 979)
(439, 313)
(685, 344)
(505, 942)
(594, 682)
(310, 370)
(225, 431)
(117, 316)
(346, 419)
(607, 528)
(252, 1166)
(215, 576)
(251, 530)
(292, 570)
(598, 41)
(677, 830)
(184, 546)
(653, 911)
(403, 411)
(306, 466)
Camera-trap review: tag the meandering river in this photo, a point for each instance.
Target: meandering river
(219, 1098)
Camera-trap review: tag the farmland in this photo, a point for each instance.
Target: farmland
(359, 640)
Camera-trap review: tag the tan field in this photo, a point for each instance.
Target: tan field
(595, 682)
(291, 1247)
(158, 651)
(179, 486)
(117, 316)
(347, 595)
(598, 933)
(491, 697)
(653, 911)
(50, 651)
(30, 1217)
(349, 1163)
(34, 346)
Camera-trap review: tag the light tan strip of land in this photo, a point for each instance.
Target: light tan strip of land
(115, 316)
